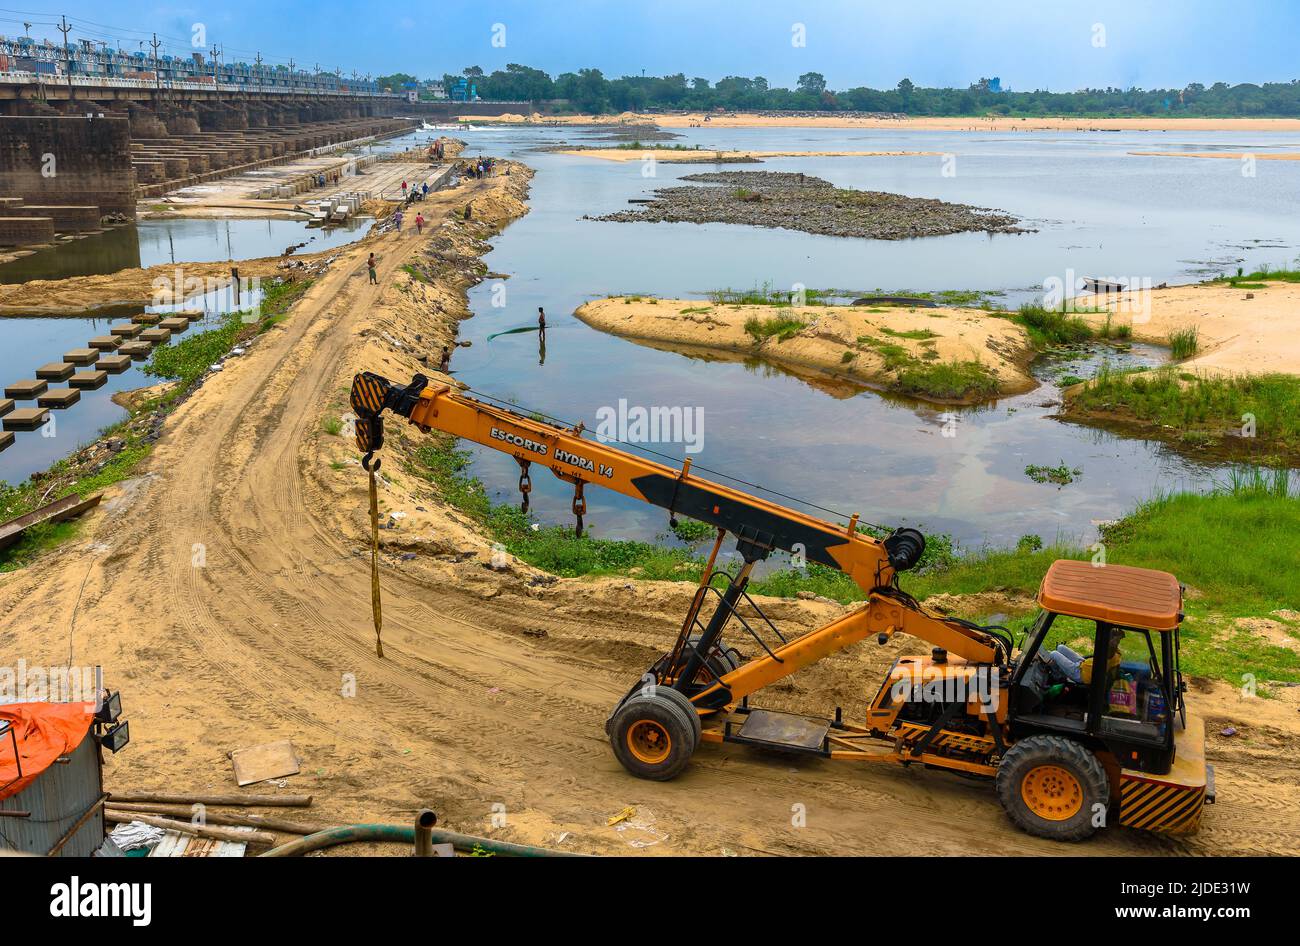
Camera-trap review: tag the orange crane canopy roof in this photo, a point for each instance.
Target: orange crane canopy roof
(1116, 594)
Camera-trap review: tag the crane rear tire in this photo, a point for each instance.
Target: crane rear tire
(1053, 787)
(654, 733)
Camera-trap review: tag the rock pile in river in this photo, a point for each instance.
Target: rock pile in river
(793, 201)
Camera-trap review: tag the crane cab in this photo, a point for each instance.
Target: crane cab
(1099, 671)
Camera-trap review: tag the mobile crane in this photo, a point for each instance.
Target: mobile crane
(1071, 744)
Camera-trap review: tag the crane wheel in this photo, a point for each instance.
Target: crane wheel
(721, 662)
(654, 733)
(1051, 787)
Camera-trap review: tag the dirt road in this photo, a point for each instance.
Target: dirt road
(226, 593)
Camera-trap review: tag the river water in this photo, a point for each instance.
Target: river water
(1097, 210)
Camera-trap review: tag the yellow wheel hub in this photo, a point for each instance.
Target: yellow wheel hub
(649, 741)
(1052, 792)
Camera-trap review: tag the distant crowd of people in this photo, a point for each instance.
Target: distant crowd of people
(480, 168)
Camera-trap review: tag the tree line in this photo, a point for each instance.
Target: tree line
(590, 91)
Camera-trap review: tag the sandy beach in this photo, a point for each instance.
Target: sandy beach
(1241, 331)
(705, 155)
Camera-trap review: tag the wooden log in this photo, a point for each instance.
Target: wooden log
(234, 800)
(184, 827)
(218, 817)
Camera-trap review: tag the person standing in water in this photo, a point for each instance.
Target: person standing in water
(541, 322)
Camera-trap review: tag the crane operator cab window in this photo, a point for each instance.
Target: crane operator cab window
(1091, 678)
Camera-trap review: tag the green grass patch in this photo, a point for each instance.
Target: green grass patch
(1050, 328)
(914, 335)
(1212, 406)
(1185, 342)
(1259, 278)
(780, 328)
(948, 380)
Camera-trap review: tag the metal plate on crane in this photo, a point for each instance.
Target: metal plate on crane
(783, 731)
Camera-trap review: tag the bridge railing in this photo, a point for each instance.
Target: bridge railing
(115, 82)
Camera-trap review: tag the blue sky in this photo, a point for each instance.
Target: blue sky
(1027, 43)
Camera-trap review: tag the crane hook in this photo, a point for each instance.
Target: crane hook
(525, 482)
(579, 506)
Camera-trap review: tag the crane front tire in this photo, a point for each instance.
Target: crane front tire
(654, 733)
(1054, 788)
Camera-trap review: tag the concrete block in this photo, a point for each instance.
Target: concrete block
(114, 364)
(138, 351)
(26, 418)
(6, 405)
(88, 380)
(175, 324)
(55, 371)
(81, 356)
(189, 315)
(155, 336)
(25, 390)
(126, 330)
(147, 318)
(105, 342)
(6, 440)
(59, 398)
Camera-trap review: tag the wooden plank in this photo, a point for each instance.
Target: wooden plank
(217, 817)
(66, 508)
(267, 761)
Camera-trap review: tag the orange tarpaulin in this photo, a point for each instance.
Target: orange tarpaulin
(45, 732)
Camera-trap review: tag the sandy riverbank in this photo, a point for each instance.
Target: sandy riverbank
(759, 120)
(1241, 331)
(1221, 155)
(869, 346)
(707, 156)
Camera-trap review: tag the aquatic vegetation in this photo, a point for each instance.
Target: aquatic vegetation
(1061, 475)
(1261, 409)
(1185, 342)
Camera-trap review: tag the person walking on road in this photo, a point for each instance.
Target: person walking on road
(370, 265)
(419, 224)
(397, 218)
